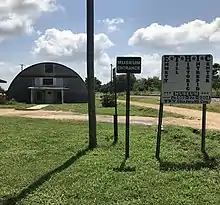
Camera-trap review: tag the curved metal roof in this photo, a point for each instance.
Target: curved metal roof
(24, 72)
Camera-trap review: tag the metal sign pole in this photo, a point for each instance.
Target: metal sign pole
(203, 127)
(90, 74)
(160, 121)
(127, 128)
(128, 65)
(111, 81)
(116, 109)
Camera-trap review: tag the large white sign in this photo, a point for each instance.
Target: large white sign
(186, 79)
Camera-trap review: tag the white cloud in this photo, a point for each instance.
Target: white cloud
(193, 36)
(17, 17)
(38, 32)
(112, 24)
(151, 65)
(66, 46)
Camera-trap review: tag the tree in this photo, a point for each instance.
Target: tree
(105, 88)
(98, 84)
(121, 84)
(140, 85)
(150, 84)
(215, 76)
(153, 84)
(1, 89)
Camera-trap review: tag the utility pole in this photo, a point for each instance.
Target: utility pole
(111, 78)
(90, 74)
(22, 66)
(111, 72)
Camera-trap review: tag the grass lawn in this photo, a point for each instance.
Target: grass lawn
(213, 107)
(15, 105)
(146, 100)
(134, 110)
(47, 162)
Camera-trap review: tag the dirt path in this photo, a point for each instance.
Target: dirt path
(183, 111)
(213, 119)
(60, 115)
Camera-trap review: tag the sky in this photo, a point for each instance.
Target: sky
(33, 31)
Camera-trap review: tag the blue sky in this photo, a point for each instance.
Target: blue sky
(135, 14)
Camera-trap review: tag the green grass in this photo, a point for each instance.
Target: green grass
(134, 110)
(213, 107)
(146, 100)
(142, 99)
(15, 105)
(46, 162)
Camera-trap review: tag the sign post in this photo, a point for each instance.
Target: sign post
(159, 129)
(128, 65)
(116, 109)
(111, 81)
(185, 79)
(127, 120)
(203, 127)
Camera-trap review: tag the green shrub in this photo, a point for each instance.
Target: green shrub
(217, 93)
(108, 100)
(7, 102)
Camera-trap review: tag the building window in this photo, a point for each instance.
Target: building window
(48, 81)
(48, 68)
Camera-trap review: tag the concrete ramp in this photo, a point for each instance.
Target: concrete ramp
(37, 107)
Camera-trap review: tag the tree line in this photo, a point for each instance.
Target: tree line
(151, 84)
(139, 85)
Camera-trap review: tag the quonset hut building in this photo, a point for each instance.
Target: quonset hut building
(48, 83)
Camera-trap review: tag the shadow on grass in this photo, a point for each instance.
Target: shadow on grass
(115, 141)
(111, 142)
(124, 168)
(13, 200)
(208, 162)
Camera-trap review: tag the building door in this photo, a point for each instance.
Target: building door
(59, 97)
(49, 96)
(39, 97)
